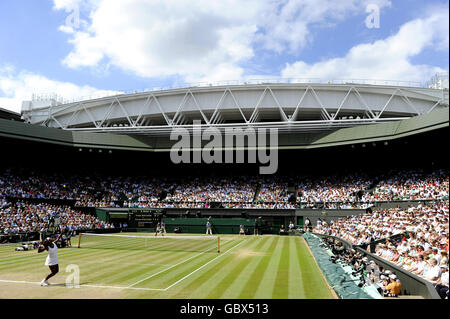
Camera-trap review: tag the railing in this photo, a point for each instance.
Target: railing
(19, 237)
(375, 243)
(262, 81)
(214, 204)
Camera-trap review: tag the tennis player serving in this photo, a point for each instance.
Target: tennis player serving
(49, 245)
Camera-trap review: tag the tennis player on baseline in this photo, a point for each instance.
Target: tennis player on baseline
(49, 245)
(159, 230)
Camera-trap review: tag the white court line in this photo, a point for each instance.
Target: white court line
(159, 272)
(134, 288)
(20, 282)
(202, 266)
(118, 287)
(81, 285)
(118, 263)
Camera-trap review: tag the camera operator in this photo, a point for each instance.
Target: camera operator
(360, 267)
(394, 287)
(374, 271)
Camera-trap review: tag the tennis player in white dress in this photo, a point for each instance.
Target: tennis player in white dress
(52, 258)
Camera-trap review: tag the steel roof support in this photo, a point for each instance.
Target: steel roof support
(124, 112)
(387, 103)
(282, 113)
(294, 115)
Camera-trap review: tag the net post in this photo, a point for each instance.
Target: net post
(79, 240)
(218, 244)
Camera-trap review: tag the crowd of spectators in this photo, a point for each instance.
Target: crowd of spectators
(213, 190)
(230, 205)
(410, 185)
(424, 251)
(345, 191)
(273, 190)
(22, 217)
(333, 189)
(367, 271)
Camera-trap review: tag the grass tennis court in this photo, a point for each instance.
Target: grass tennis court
(247, 267)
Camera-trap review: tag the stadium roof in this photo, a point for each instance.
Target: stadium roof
(9, 115)
(436, 119)
(289, 107)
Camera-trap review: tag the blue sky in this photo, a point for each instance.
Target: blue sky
(136, 44)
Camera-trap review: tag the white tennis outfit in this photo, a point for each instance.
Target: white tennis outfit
(52, 258)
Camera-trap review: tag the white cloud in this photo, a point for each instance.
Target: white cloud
(16, 87)
(69, 5)
(388, 59)
(208, 41)
(287, 27)
(159, 38)
(198, 40)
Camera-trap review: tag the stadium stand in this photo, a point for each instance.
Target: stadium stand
(405, 196)
(20, 218)
(422, 248)
(336, 192)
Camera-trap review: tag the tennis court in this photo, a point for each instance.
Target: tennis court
(186, 267)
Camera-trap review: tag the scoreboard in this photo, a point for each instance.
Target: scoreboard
(144, 218)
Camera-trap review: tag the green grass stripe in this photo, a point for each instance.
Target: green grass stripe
(281, 287)
(24, 261)
(130, 275)
(104, 274)
(240, 285)
(251, 285)
(311, 275)
(147, 243)
(113, 271)
(97, 274)
(247, 266)
(268, 279)
(42, 256)
(39, 260)
(73, 257)
(61, 252)
(89, 261)
(117, 278)
(12, 253)
(199, 287)
(90, 272)
(184, 269)
(261, 267)
(178, 272)
(170, 276)
(33, 255)
(36, 268)
(230, 274)
(296, 287)
(238, 263)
